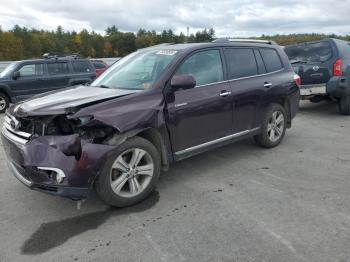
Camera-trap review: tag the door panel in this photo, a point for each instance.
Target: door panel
(246, 85)
(59, 75)
(29, 82)
(199, 115)
(204, 113)
(246, 96)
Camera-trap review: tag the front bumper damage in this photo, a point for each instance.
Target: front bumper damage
(43, 163)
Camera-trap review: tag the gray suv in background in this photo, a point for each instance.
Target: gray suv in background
(324, 68)
(23, 79)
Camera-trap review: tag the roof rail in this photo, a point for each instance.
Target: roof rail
(244, 40)
(57, 56)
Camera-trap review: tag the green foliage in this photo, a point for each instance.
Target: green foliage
(23, 43)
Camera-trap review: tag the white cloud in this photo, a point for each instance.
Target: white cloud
(227, 17)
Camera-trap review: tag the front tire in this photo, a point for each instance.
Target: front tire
(344, 105)
(273, 127)
(4, 102)
(131, 174)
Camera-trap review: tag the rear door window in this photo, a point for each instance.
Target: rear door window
(271, 59)
(58, 68)
(240, 62)
(318, 52)
(205, 66)
(81, 66)
(260, 62)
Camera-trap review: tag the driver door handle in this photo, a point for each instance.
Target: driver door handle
(225, 93)
(267, 85)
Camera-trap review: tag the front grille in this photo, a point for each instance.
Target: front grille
(11, 130)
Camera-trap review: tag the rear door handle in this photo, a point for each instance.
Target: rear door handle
(267, 85)
(225, 93)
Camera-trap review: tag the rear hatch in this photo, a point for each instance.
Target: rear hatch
(312, 61)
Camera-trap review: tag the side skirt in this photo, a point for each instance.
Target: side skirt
(188, 152)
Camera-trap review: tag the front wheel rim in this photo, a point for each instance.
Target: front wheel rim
(2, 103)
(131, 172)
(275, 126)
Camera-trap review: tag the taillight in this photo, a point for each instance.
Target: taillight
(297, 80)
(338, 68)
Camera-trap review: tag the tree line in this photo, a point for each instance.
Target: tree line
(23, 43)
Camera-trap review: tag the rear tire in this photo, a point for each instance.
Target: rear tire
(344, 105)
(4, 102)
(130, 174)
(273, 127)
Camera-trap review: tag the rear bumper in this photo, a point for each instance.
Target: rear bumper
(337, 87)
(311, 90)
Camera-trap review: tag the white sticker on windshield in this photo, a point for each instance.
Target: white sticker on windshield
(166, 52)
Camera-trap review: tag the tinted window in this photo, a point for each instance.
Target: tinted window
(260, 62)
(310, 52)
(31, 70)
(57, 68)
(240, 62)
(99, 65)
(205, 66)
(81, 66)
(272, 59)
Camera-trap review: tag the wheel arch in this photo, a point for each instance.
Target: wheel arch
(154, 136)
(5, 90)
(150, 134)
(286, 105)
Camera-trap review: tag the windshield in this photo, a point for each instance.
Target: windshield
(137, 71)
(310, 52)
(8, 69)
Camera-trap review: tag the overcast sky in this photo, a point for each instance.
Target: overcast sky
(228, 18)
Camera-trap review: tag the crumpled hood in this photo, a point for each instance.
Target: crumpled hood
(57, 102)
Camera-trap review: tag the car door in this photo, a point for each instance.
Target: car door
(203, 114)
(29, 81)
(247, 85)
(59, 74)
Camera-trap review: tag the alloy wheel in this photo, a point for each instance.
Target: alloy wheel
(2, 103)
(275, 126)
(131, 172)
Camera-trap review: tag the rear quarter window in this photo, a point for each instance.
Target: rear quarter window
(59, 68)
(99, 65)
(240, 63)
(81, 67)
(271, 59)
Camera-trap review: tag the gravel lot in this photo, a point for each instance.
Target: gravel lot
(237, 203)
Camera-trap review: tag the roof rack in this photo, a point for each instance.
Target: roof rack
(245, 40)
(57, 56)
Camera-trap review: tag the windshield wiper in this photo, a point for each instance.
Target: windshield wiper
(104, 86)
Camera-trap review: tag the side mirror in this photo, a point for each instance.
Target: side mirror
(183, 82)
(16, 75)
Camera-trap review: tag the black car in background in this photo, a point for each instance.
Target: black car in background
(324, 70)
(23, 79)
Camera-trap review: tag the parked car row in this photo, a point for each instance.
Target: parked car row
(156, 106)
(23, 79)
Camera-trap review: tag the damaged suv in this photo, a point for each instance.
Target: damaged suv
(153, 107)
